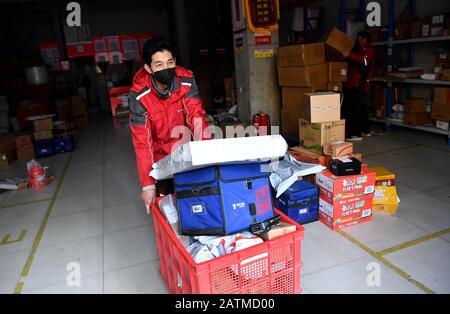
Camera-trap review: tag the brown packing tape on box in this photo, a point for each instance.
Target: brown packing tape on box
(311, 75)
(301, 55)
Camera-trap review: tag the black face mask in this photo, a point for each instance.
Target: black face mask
(165, 76)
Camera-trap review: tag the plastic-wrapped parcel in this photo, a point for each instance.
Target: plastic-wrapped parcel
(199, 154)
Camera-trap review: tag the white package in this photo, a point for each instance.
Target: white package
(199, 154)
(168, 206)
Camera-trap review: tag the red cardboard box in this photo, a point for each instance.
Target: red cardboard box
(340, 224)
(347, 186)
(360, 206)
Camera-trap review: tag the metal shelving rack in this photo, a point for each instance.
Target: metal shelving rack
(390, 43)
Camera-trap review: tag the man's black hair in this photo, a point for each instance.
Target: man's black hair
(154, 45)
(365, 35)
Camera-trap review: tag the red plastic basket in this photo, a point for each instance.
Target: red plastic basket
(272, 267)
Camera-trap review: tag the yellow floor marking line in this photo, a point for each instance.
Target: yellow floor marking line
(414, 242)
(379, 257)
(40, 233)
(26, 203)
(392, 151)
(5, 240)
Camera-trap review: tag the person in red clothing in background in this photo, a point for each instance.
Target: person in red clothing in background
(165, 112)
(355, 110)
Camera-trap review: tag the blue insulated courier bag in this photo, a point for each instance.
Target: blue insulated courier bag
(225, 199)
(300, 202)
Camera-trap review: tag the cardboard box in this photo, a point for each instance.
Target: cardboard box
(229, 83)
(383, 176)
(309, 156)
(7, 158)
(337, 71)
(360, 206)
(345, 186)
(385, 199)
(26, 152)
(312, 75)
(279, 230)
(315, 135)
(7, 142)
(23, 140)
(301, 55)
(417, 118)
(338, 149)
(78, 106)
(335, 86)
(322, 107)
(440, 112)
(442, 95)
(293, 98)
(290, 122)
(339, 41)
(43, 125)
(415, 105)
(43, 135)
(81, 122)
(344, 223)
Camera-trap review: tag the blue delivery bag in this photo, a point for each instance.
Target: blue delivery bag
(224, 199)
(300, 202)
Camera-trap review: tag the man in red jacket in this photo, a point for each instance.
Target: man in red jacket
(165, 112)
(360, 68)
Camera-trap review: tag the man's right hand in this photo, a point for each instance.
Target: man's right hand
(148, 197)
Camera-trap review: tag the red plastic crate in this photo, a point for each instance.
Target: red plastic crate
(272, 267)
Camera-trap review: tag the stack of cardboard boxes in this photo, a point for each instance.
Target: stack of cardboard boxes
(345, 200)
(43, 135)
(441, 108)
(304, 69)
